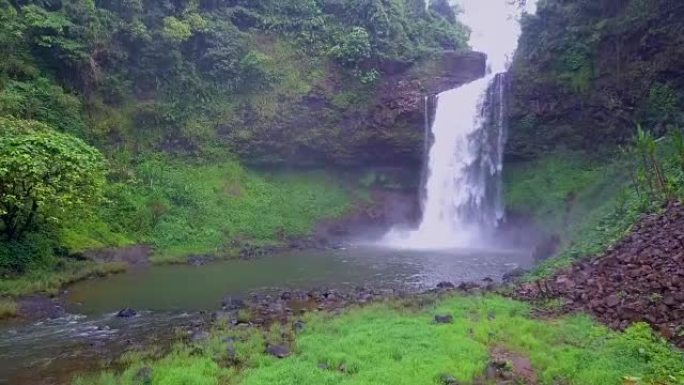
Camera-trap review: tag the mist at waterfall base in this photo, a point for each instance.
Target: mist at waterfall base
(462, 197)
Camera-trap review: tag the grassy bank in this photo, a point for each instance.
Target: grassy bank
(51, 280)
(8, 308)
(590, 203)
(398, 343)
(186, 208)
(181, 208)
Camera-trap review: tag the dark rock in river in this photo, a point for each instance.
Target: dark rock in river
(445, 285)
(126, 313)
(200, 260)
(468, 286)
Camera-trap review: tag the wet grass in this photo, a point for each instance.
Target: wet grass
(51, 281)
(8, 308)
(186, 209)
(394, 344)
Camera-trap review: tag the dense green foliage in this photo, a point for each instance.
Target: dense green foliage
(588, 71)
(397, 344)
(591, 202)
(45, 176)
(185, 208)
(182, 75)
(587, 203)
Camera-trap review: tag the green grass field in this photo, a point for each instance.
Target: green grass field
(183, 209)
(398, 343)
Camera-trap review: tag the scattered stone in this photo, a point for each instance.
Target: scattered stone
(514, 275)
(280, 351)
(143, 376)
(509, 367)
(299, 326)
(126, 313)
(496, 370)
(468, 286)
(199, 336)
(444, 319)
(641, 278)
(448, 379)
(230, 303)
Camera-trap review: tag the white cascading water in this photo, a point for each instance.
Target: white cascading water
(462, 197)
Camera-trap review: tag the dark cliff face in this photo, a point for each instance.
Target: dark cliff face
(344, 123)
(588, 72)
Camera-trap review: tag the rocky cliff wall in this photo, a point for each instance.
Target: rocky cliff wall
(345, 123)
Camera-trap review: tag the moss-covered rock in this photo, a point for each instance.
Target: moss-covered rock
(344, 122)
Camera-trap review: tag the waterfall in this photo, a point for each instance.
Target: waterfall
(462, 192)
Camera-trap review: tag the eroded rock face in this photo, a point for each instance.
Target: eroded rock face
(639, 279)
(344, 123)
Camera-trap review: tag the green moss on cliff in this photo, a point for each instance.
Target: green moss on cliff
(185, 208)
(587, 71)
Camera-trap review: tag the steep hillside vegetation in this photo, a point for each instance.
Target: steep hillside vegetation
(595, 120)
(190, 76)
(588, 71)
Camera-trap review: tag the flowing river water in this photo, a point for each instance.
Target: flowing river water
(89, 334)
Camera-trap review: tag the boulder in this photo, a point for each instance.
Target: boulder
(279, 351)
(126, 313)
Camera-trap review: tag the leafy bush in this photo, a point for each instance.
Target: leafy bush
(34, 250)
(42, 100)
(662, 104)
(44, 174)
(352, 47)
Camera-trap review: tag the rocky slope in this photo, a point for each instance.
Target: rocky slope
(639, 279)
